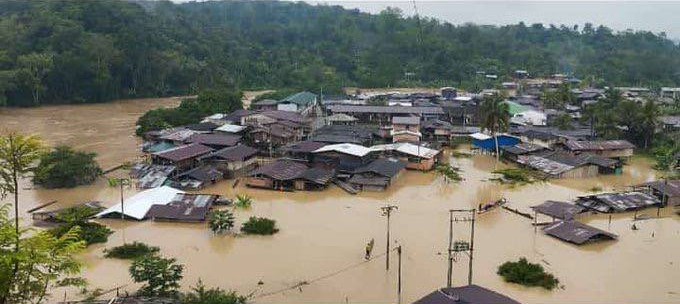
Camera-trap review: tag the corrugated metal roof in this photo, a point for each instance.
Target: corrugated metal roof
(405, 120)
(577, 233)
(408, 148)
(184, 152)
(346, 148)
(560, 210)
(470, 294)
(139, 204)
(384, 109)
(585, 145)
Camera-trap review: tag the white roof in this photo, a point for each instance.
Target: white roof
(217, 116)
(408, 148)
(462, 98)
(229, 128)
(351, 149)
(480, 136)
(139, 204)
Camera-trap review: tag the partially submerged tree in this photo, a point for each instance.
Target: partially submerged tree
(221, 221)
(65, 168)
(527, 274)
(41, 261)
(131, 251)
(161, 276)
(259, 225)
(495, 117)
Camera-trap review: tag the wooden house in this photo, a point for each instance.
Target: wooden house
(377, 175)
(183, 157)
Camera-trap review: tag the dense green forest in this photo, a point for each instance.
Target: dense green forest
(62, 51)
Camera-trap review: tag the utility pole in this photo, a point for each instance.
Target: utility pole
(399, 276)
(387, 211)
(461, 246)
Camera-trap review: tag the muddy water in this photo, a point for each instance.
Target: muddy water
(323, 235)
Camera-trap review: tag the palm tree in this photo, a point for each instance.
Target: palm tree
(18, 154)
(649, 115)
(243, 201)
(221, 221)
(495, 117)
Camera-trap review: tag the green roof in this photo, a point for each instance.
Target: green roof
(302, 98)
(515, 108)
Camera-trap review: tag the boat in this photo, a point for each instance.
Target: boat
(483, 208)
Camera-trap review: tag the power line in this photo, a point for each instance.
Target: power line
(323, 277)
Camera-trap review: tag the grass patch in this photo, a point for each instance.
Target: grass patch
(259, 225)
(514, 176)
(449, 173)
(130, 251)
(595, 189)
(527, 274)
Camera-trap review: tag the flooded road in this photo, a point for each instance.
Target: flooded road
(323, 234)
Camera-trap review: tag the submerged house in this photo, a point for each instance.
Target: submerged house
(232, 161)
(487, 143)
(618, 202)
(184, 207)
(565, 165)
(667, 191)
(377, 175)
(196, 178)
(470, 294)
(137, 206)
(183, 157)
(514, 152)
(342, 157)
(558, 210)
(606, 148)
(577, 233)
(289, 175)
(416, 157)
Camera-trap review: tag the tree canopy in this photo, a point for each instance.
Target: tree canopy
(60, 51)
(65, 168)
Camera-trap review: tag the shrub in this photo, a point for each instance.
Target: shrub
(65, 168)
(90, 232)
(259, 225)
(202, 295)
(131, 251)
(527, 274)
(221, 221)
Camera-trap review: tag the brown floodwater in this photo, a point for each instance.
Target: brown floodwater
(323, 234)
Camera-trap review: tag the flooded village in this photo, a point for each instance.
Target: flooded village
(594, 213)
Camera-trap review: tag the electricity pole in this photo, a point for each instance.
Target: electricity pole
(399, 276)
(387, 211)
(461, 246)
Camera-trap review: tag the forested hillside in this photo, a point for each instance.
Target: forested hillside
(62, 51)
